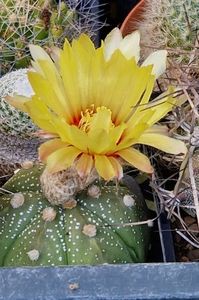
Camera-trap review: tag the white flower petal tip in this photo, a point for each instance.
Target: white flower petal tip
(158, 60)
(130, 45)
(38, 53)
(112, 42)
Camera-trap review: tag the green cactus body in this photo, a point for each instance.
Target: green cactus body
(40, 22)
(90, 232)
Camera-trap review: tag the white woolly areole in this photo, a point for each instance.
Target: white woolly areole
(73, 286)
(128, 201)
(49, 214)
(17, 200)
(27, 164)
(33, 254)
(89, 230)
(94, 191)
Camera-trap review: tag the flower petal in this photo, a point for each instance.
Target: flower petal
(130, 45)
(136, 159)
(131, 134)
(49, 147)
(70, 133)
(61, 159)
(104, 167)
(116, 76)
(161, 129)
(99, 141)
(117, 167)
(40, 114)
(38, 54)
(161, 105)
(138, 88)
(101, 120)
(112, 42)
(46, 93)
(158, 60)
(55, 81)
(86, 43)
(163, 142)
(84, 165)
(18, 101)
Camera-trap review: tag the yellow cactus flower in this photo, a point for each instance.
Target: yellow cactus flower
(94, 105)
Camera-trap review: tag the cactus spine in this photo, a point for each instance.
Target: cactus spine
(17, 143)
(172, 24)
(42, 22)
(169, 23)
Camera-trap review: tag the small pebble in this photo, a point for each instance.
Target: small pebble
(73, 286)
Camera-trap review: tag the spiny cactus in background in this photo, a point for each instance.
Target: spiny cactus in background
(185, 187)
(13, 121)
(17, 143)
(174, 25)
(86, 230)
(170, 23)
(15, 152)
(42, 22)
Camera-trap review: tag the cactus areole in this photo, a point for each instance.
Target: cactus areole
(89, 230)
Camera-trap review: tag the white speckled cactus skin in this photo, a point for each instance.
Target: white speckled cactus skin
(36, 233)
